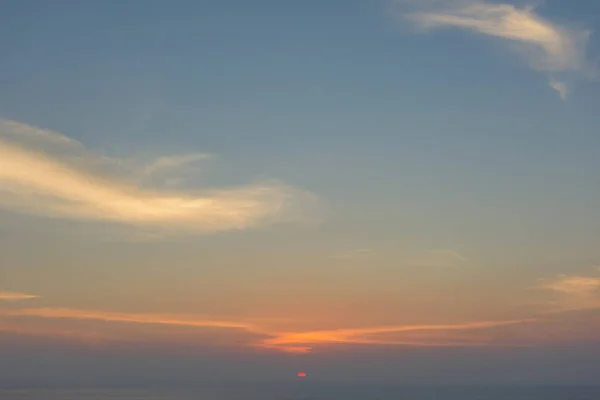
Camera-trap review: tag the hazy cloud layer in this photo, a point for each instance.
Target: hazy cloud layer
(45, 173)
(547, 46)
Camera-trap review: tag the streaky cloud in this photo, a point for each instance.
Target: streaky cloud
(273, 339)
(302, 342)
(168, 163)
(580, 285)
(23, 322)
(153, 319)
(16, 296)
(47, 174)
(573, 292)
(547, 46)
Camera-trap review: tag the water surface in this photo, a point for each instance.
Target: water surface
(311, 392)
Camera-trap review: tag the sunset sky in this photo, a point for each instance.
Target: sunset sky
(373, 190)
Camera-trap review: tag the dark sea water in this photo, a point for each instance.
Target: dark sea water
(312, 392)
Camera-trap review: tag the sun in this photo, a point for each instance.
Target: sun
(302, 374)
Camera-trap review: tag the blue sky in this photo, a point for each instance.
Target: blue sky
(249, 160)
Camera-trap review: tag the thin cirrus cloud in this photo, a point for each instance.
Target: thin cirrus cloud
(573, 292)
(555, 49)
(153, 319)
(302, 342)
(45, 173)
(289, 342)
(169, 163)
(16, 296)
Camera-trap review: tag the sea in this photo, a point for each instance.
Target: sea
(310, 392)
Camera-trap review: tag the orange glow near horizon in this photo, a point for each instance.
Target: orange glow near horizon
(268, 338)
(302, 374)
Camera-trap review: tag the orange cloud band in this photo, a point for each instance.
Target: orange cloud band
(66, 313)
(292, 342)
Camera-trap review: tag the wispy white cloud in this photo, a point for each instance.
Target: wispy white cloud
(169, 163)
(573, 292)
(16, 296)
(45, 173)
(560, 87)
(580, 285)
(546, 45)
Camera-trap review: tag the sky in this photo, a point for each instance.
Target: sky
(365, 190)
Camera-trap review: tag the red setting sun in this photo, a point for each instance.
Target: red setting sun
(302, 374)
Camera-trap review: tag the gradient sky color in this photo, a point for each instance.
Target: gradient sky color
(399, 191)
